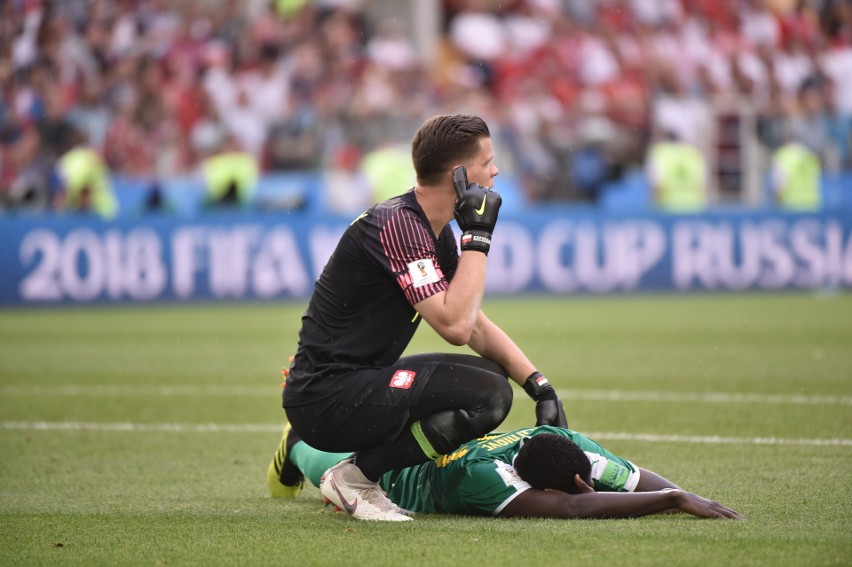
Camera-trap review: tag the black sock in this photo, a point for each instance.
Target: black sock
(404, 452)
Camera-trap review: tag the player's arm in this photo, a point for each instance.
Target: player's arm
(491, 342)
(534, 503)
(453, 313)
(650, 481)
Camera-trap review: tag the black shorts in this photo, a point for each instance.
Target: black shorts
(372, 407)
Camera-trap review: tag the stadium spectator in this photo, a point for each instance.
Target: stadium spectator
(397, 264)
(596, 64)
(772, 118)
(529, 26)
(677, 174)
(677, 111)
(541, 472)
(295, 139)
(86, 185)
(266, 84)
(809, 122)
(127, 149)
(531, 112)
(129, 73)
(90, 114)
(389, 172)
(207, 132)
(230, 176)
(593, 162)
(348, 191)
(56, 131)
(478, 33)
(796, 173)
(836, 62)
(28, 174)
(246, 124)
(758, 26)
(656, 13)
(791, 66)
(390, 48)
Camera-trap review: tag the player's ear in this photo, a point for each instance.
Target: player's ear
(581, 484)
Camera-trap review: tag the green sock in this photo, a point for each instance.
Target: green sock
(312, 462)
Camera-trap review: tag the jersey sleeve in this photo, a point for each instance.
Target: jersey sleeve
(489, 486)
(409, 250)
(610, 472)
(613, 474)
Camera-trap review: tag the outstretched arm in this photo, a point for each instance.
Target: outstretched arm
(608, 505)
(650, 481)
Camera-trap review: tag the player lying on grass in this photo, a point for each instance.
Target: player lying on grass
(539, 472)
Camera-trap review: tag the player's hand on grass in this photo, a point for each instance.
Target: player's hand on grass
(548, 406)
(704, 508)
(476, 212)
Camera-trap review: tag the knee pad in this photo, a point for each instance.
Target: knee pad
(446, 430)
(500, 403)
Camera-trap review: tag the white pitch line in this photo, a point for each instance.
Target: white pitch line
(567, 395)
(139, 390)
(706, 397)
(141, 427)
(715, 439)
(269, 428)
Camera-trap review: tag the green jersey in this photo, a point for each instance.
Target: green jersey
(479, 479)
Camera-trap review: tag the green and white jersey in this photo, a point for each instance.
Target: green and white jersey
(479, 479)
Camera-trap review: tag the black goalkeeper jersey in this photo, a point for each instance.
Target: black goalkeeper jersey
(360, 314)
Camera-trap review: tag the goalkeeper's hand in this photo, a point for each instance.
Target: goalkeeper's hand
(548, 406)
(476, 212)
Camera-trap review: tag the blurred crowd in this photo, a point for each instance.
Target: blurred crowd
(575, 91)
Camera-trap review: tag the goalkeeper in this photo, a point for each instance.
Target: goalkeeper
(397, 264)
(540, 472)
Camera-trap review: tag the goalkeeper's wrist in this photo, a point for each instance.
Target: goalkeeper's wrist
(478, 240)
(538, 388)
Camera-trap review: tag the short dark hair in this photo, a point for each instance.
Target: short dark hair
(550, 461)
(444, 140)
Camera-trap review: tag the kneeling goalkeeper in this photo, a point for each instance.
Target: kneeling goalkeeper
(397, 264)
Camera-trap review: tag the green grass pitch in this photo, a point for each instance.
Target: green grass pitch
(141, 435)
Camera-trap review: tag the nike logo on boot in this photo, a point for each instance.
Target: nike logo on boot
(349, 507)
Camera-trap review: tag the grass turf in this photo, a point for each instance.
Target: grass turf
(140, 436)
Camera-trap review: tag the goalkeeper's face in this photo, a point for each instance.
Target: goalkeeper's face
(481, 168)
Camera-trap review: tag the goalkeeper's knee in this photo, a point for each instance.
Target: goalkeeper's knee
(446, 430)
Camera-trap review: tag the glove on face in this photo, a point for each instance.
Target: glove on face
(476, 212)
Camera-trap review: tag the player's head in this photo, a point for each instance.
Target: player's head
(444, 141)
(550, 461)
